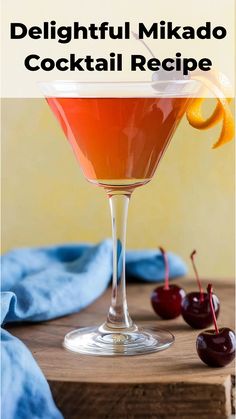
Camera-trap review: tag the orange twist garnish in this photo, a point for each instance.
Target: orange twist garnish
(219, 86)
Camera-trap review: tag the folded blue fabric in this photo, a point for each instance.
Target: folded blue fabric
(43, 283)
(25, 391)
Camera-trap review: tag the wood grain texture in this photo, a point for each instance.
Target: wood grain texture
(171, 383)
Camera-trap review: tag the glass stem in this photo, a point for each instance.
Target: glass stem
(118, 315)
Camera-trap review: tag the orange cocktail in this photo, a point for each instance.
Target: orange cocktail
(118, 141)
(119, 132)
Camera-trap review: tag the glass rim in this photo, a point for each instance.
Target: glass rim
(75, 88)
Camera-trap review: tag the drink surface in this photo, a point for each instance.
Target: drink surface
(118, 141)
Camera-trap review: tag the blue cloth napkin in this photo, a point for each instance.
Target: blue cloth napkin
(43, 283)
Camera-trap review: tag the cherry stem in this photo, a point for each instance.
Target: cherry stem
(135, 35)
(167, 268)
(197, 276)
(209, 290)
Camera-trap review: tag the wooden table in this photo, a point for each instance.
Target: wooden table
(168, 384)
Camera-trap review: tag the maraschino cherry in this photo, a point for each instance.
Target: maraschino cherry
(196, 309)
(216, 348)
(166, 299)
(161, 74)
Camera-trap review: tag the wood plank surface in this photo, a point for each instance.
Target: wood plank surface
(171, 383)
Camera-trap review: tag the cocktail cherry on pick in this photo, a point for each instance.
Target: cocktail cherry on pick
(196, 310)
(162, 75)
(166, 299)
(216, 348)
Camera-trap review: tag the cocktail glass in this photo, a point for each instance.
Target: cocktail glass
(118, 132)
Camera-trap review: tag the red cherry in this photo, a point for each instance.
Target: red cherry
(195, 308)
(216, 348)
(197, 312)
(166, 300)
(161, 74)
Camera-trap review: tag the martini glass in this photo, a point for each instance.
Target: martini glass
(118, 132)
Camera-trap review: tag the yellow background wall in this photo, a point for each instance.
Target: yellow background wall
(189, 204)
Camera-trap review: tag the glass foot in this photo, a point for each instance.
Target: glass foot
(92, 341)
